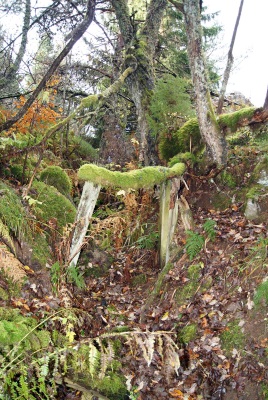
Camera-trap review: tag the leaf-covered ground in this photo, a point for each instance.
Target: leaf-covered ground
(205, 304)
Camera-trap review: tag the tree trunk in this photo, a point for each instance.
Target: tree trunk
(229, 62)
(265, 105)
(14, 67)
(215, 142)
(75, 36)
(141, 44)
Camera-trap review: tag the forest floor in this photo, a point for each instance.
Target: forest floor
(206, 304)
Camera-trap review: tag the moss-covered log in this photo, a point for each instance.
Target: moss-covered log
(137, 179)
(188, 137)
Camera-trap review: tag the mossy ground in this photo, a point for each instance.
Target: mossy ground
(233, 337)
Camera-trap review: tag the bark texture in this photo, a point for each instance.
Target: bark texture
(215, 142)
(74, 37)
(265, 105)
(14, 67)
(140, 40)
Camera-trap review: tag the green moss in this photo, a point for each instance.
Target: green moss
(53, 205)
(139, 280)
(182, 157)
(261, 294)
(187, 138)
(168, 145)
(40, 249)
(12, 212)
(233, 120)
(189, 290)
(90, 101)
(228, 179)
(232, 337)
(188, 333)
(3, 294)
(194, 271)
(140, 178)
(57, 177)
(83, 149)
(261, 166)
(254, 192)
(189, 134)
(16, 171)
(113, 386)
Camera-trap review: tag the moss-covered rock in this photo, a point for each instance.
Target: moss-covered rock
(57, 177)
(139, 178)
(52, 204)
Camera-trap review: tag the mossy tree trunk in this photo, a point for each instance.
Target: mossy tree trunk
(140, 40)
(211, 134)
(215, 142)
(11, 71)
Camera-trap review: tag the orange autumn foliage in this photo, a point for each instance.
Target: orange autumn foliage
(39, 116)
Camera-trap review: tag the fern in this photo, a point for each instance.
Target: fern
(74, 276)
(194, 244)
(209, 228)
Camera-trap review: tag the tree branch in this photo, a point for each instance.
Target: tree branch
(177, 5)
(76, 35)
(229, 62)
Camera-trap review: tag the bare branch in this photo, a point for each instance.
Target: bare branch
(229, 62)
(76, 35)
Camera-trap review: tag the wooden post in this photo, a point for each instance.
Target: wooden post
(84, 213)
(168, 216)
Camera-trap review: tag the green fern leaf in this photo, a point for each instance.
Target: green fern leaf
(93, 359)
(194, 244)
(209, 228)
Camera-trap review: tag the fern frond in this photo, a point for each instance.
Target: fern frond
(93, 358)
(171, 354)
(209, 227)
(194, 244)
